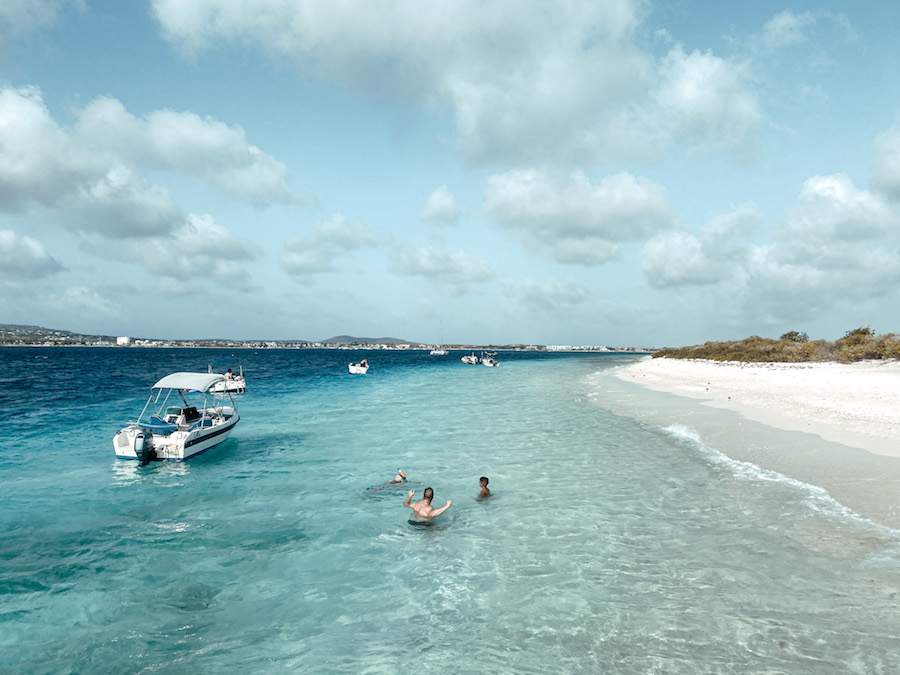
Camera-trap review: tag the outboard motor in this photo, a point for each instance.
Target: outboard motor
(143, 447)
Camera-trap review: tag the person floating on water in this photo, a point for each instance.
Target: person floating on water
(398, 479)
(422, 510)
(483, 481)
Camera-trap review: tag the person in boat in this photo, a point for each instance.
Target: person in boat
(483, 482)
(229, 375)
(364, 363)
(423, 512)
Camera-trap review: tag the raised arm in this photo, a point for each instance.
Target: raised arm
(436, 512)
(409, 498)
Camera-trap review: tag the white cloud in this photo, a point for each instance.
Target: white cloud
(120, 204)
(198, 250)
(441, 208)
(833, 211)
(24, 258)
(784, 285)
(565, 103)
(786, 28)
(524, 84)
(189, 144)
(304, 257)
(817, 31)
(38, 161)
(43, 165)
(837, 249)
(93, 178)
(708, 101)
(679, 258)
(570, 220)
(457, 272)
(723, 232)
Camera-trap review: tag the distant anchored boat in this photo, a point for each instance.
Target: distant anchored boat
(471, 359)
(489, 360)
(440, 350)
(233, 382)
(360, 368)
(183, 417)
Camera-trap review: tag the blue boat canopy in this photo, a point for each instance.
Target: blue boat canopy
(196, 381)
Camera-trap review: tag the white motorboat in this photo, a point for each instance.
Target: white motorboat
(471, 359)
(233, 382)
(183, 417)
(360, 368)
(489, 360)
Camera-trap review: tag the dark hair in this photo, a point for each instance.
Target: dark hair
(428, 494)
(483, 479)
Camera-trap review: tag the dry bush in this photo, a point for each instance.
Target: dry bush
(856, 345)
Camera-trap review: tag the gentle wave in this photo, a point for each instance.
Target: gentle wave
(886, 554)
(816, 498)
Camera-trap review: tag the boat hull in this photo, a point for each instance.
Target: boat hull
(236, 385)
(175, 446)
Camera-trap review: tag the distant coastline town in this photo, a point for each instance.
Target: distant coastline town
(12, 335)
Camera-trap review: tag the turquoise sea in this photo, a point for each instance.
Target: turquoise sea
(608, 546)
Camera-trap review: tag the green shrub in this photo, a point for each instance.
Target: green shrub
(794, 336)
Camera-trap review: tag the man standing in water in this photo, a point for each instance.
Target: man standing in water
(423, 511)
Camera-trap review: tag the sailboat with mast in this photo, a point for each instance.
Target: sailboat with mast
(440, 350)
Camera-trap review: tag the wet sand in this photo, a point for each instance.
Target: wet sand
(836, 426)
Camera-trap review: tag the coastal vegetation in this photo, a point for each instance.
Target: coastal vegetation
(859, 344)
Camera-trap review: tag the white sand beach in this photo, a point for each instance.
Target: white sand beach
(853, 404)
(847, 413)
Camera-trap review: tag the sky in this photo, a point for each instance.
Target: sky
(585, 172)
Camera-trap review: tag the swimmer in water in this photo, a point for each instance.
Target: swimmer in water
(422, 510)
(483, 481)
(399, 478)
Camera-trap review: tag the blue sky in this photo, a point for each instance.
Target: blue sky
(615, 172)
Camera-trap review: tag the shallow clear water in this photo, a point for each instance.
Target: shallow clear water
(608, 546)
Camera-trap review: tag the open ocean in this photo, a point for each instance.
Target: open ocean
(608, 546)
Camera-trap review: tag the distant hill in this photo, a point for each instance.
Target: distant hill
(350, 340)
(11, 333)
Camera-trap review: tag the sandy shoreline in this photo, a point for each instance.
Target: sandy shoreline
(835, 426)
(853, 404)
